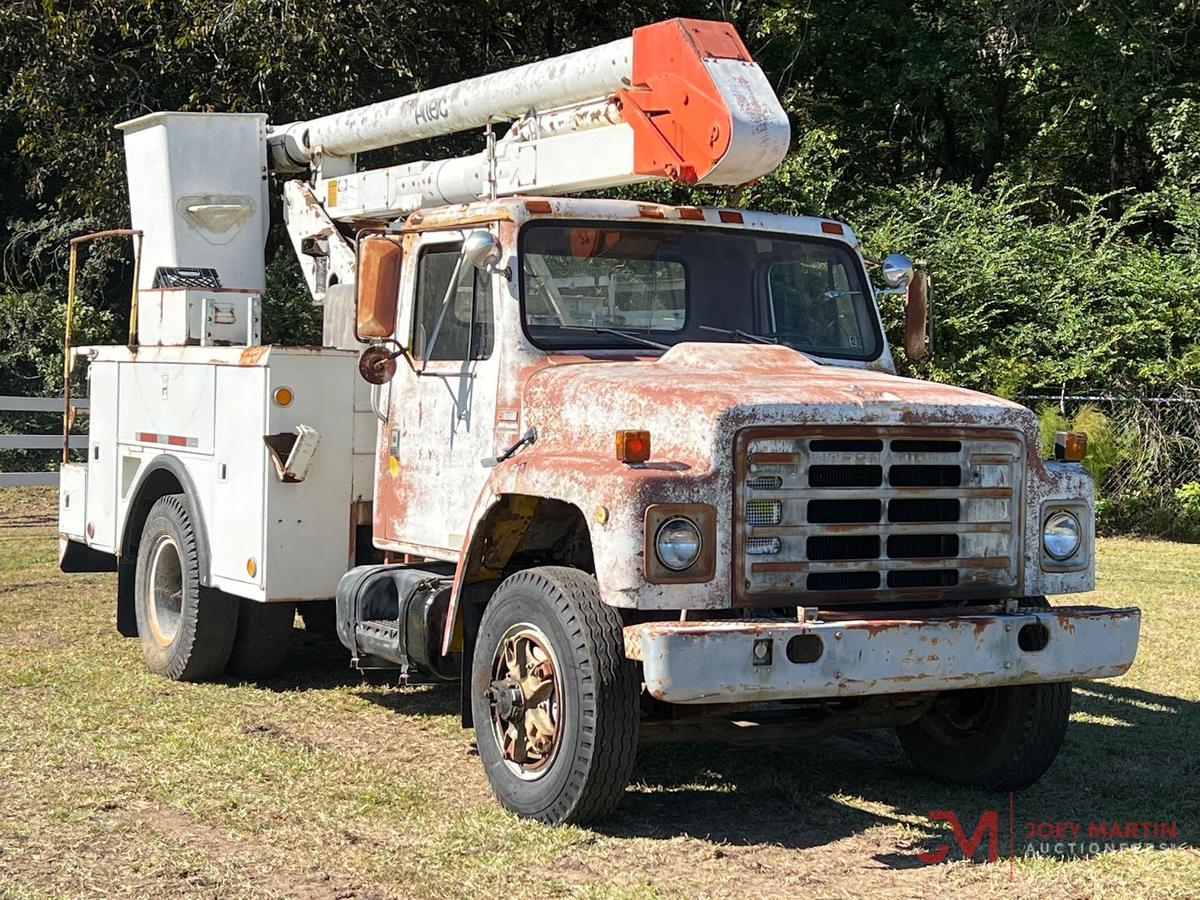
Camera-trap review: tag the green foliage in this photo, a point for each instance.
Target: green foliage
(1187, 499)
(1030, 297)
(1041, 158)
(1108, 444)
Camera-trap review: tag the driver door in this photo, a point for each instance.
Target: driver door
(441, 406)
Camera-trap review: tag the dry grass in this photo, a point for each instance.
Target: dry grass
(324, 784)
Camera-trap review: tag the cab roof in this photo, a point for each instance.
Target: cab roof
(523, 209)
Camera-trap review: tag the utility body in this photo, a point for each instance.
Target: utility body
(633, 471)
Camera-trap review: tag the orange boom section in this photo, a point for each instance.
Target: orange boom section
(681, 122)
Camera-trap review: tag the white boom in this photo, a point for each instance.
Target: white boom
(680, 99)
(507, 95)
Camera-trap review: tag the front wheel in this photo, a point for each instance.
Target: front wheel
(553, 697)
(999, 739)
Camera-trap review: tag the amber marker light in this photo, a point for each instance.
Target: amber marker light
(283, 396)
(633, 446)
(251, 567)
(1070, 446)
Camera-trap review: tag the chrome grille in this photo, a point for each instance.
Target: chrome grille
(890, 514)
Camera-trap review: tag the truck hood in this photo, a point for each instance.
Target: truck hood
(700, 392)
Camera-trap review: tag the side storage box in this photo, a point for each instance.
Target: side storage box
(72, 501)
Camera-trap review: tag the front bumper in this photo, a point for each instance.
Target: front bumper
(749, 660)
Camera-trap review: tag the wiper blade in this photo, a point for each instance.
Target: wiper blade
(745, 336)
(595, 329)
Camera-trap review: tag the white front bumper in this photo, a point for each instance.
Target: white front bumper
(746, 660)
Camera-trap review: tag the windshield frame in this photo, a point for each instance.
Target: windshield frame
(599, 343)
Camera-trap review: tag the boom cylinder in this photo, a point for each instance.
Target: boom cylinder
(546, 84)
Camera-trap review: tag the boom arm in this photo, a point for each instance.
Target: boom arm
(680, 99)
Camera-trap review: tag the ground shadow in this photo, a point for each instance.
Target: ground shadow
(319, 662)
(1135, 756)
(1130, 755)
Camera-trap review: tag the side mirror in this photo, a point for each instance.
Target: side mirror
(378, 287)
(897, 271)
(482, 250)
(916, 316)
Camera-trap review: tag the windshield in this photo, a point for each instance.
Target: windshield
(605, 285)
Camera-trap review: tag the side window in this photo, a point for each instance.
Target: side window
(443, 328)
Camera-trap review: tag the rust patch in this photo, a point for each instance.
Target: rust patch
(251, 356)
(773, 457)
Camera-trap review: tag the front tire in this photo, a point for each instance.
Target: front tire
(554, 700)
(998, 739)
(186, 630)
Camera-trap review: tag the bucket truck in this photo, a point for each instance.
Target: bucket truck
(625, 470)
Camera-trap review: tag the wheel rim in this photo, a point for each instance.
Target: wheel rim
(166, 591)
(525, 700)
(960, 719)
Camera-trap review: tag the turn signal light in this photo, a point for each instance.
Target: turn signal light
(1070, 446)
(633, 446)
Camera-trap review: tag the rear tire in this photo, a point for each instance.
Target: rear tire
(186, 631)
(554, 700)
(264, 634)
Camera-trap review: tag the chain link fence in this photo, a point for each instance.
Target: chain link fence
(1144, 452)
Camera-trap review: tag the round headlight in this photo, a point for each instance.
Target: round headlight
(677, 543)
(1061, 534)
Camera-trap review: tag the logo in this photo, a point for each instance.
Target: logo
(989, 827)
(431, 111)
(1046, 838)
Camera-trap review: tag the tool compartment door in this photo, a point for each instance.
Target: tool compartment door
(103, 383)
(235, 525)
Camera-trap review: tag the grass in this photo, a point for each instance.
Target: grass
(322, 783)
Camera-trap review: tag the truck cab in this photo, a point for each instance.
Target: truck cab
(627, 471)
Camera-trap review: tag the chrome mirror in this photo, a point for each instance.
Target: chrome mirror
(897, 271)
(482, 250)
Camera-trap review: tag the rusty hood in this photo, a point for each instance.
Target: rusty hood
(698, 393)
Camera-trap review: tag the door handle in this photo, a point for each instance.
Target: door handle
(527, 438)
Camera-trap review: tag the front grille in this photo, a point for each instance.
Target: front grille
(892, 514)
(844, 512)
(845, 476)
(924, 476)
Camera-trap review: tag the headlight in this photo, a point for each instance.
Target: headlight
(1061, 535)
(677, 543)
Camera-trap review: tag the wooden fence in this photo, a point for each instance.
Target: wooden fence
(36, 441)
